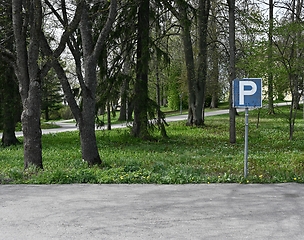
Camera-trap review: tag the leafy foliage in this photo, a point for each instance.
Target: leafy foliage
(52, 98)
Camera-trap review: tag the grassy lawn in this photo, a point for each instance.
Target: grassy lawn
(190, 155)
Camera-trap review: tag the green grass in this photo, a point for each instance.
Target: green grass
(190, 155)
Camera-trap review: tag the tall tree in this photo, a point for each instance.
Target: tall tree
(27, 26)
(182, 15)
(10, 98)
(27, 21)
(10, 104)
(123, 49)
(140, 123)
(203, 16)
(51, 94)
(124, 114)
(196, 79)
(290, 47)
(270, 59)
(232, 72)
(213, 86)
(91, 50)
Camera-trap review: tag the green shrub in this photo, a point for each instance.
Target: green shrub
(65, 113)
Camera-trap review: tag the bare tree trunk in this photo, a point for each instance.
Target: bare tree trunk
(213, 86)
(196, 80)
(28, 74)
(84, 115)
(124, 91)
(295, 73)
(232, 129)
(270, 60)
(86, 122)
(108, 115)
(89, 149)
(189, 58)
(140, 124)
(11, 101)
(203, 15)
(123, 116)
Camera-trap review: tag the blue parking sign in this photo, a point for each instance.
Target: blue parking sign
(247, 93)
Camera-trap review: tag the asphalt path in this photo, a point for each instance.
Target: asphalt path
(131, 212)
(69, 125)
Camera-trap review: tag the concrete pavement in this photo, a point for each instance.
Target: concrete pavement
(215, 211)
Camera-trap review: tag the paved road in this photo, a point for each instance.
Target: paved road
(215, 211)
(68, 125)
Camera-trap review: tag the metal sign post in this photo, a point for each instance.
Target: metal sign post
(246, 144)
(247, 93)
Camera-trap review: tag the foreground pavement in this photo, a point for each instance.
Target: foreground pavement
(215, 211)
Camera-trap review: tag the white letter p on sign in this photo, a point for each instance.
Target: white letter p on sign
(243, 92)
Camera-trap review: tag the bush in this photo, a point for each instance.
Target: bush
(65, 113)
(55, 115)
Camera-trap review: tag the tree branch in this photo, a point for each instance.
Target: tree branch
(8, 56)
(69, 29)
(54, 62)
(106, 29)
